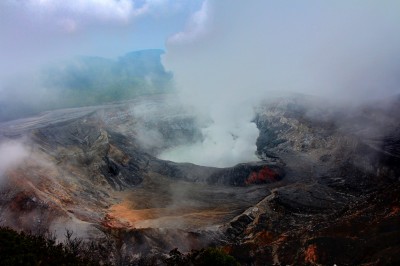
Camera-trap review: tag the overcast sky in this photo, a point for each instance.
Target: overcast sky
(339, 48)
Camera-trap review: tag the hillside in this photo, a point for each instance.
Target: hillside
(85, 81)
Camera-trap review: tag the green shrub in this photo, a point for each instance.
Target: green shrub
(216, 257)
(19, 248)
(204, 257)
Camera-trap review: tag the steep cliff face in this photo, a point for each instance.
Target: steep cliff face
(324, 192)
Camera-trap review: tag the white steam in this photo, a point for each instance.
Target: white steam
(226, 141)
(234, 53)
(11, 154)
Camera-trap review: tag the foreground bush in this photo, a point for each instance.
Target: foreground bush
(204, 257)
(19, 248)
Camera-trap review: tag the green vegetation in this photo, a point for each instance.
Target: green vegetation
(19, 248)
(204, 257)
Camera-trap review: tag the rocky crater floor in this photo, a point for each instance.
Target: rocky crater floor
(325, 190)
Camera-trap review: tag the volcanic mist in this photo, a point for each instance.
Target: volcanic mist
(232, 54)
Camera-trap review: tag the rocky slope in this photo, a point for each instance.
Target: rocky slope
(325, 192)
(340, 203)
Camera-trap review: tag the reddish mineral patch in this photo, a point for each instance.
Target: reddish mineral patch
(395, 211)
(311, 254)
(23, 201)
(112, 222)
(264, 238)
(264, 175)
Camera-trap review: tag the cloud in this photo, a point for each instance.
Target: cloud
(196, 26)
(69, 25)
(84, 12)
(347, 51)
(320, 48)
(108, 10)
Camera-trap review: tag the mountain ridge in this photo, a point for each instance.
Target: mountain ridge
(88, 81)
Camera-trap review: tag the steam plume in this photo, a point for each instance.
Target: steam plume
(233, 53)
